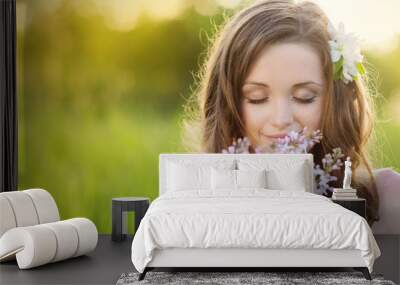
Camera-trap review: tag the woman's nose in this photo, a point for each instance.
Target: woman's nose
(282, 115)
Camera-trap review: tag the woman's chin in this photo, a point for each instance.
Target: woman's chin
(265, 146)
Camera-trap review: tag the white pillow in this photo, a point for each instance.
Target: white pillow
(292, 178)
(187, 177)
(251, 178)
(223, 179)
(193, 174)
(282, 174)
(227, 179)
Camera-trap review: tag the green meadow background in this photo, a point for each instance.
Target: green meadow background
(101, 89)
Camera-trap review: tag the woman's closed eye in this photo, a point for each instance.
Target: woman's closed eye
(305, 100)
(256, 100)
(300, 100)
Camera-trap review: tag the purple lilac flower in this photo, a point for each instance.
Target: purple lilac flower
(330, 162)
(299, 142)
(241, 145)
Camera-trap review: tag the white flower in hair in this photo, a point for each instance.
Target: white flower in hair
(345, 54)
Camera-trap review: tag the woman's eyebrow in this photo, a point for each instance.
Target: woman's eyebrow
(295, 86)
(256, 83)
(301, 84)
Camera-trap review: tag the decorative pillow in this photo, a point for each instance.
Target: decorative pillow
(187, 177)
(227, 179)
(282, 174)
(223, 179)
(251, 178)
(193, 174)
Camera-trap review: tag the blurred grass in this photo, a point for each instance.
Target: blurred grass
(386, 150)
(84, 161)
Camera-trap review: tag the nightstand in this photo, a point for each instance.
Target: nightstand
(119, 208)
(357, 205)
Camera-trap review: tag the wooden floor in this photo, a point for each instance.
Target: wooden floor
(102, 266)
(110, 259)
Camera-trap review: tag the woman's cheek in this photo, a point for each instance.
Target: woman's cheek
(255, 118)
(309, 115)
(249, 121)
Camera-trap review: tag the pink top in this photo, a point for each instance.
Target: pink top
(388, 187)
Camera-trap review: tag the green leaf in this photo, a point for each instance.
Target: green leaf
(360, 68)
(338, 69)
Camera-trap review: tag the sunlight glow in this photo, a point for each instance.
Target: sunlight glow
(161, 9)
(375, 22)
(230, 4)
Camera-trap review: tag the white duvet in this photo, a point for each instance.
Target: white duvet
(251, 218)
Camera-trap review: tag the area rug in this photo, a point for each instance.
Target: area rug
(229, 278)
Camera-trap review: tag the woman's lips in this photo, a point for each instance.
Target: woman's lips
(268, 139)
(275, 136)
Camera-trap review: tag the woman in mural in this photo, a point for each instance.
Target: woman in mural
(280, 66)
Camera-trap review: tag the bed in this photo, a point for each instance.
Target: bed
(245, 211)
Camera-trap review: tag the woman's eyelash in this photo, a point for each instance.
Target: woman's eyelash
(297, 99)
(305, 100)
(257, 101)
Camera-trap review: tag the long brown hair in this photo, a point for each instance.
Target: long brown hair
(347, 115)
